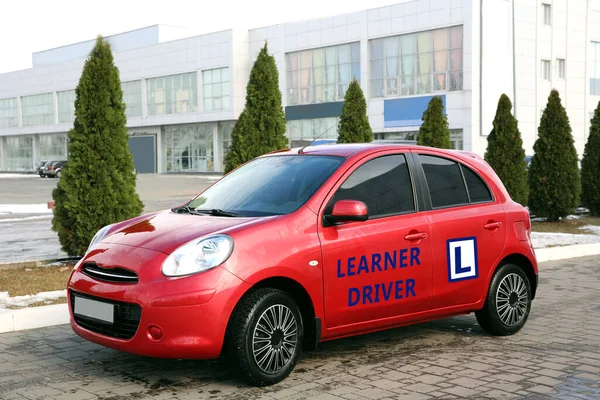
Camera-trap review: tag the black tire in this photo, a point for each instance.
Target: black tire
(243, 327)
(503, 314)
(42, 176)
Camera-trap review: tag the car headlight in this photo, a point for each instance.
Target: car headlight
(199, 255)
(99, 236)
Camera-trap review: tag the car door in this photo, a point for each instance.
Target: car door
(381, 267)
(468, 229)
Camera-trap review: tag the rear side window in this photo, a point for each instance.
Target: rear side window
(478, 190)
(383, 184)
(447, 185)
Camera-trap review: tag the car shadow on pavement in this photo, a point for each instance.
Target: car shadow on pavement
(402, 345)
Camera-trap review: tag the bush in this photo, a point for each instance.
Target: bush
(505, 152)
(260, 129)
(97, 186)
(354, 124)
(590, 167)
(554, 182)
(434, 132)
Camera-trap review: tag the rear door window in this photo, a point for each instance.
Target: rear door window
(452, 184)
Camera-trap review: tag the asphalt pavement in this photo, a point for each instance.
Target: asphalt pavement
(28, 236)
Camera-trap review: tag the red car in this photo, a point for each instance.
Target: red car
(303, 246)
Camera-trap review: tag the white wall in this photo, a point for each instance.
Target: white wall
(122, 42)
(198, 53)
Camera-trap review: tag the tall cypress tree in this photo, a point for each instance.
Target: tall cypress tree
(98, 185)
(505, 152)
(261, 126)
(590, 167)
(554, 180)
(354, 124)
(434, 131)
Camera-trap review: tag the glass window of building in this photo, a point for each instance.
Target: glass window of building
(172, 94)
(66, 106)
(560, 68)
(309, 129)
(216, 89)
(417, 63)
(225, 128)
(52, 147)
(18, 153)
(456, 137)
(188, 148)
(38, 109)
(132, 95)
(322, 75)
(9, 116)
(545, 70)
(594, 68)
(547, 14)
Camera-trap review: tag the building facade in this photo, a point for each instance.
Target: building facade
(183, 94)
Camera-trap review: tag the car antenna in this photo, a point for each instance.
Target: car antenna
(301, 151)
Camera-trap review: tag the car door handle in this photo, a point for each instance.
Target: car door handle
(416, 236)
(490, 226)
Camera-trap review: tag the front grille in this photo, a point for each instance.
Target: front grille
(114, 275)
(126, 319)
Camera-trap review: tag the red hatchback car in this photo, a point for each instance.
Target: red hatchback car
(303, 246)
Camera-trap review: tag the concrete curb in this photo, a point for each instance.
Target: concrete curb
(39, 317)
(34, 317)
(565, 252)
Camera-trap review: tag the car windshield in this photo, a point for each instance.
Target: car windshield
(273, 185)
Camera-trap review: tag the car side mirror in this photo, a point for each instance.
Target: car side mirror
(347, 211)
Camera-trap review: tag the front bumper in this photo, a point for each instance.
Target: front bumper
(191, 313)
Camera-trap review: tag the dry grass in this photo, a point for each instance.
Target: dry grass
(31, 281)
(566, 226)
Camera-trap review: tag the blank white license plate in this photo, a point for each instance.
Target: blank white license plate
(94, 309)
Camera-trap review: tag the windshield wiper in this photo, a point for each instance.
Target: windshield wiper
(218, 213)
(184, 209)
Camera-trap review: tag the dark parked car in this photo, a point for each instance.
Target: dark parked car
(53, 168)
(40, 168)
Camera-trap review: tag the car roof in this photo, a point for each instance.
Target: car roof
(350, 149)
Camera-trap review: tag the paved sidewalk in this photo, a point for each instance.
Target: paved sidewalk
(556, 355)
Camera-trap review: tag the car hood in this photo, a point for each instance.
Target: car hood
(166, 231)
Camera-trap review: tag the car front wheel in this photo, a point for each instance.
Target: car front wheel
(266, 336)
(508, 302)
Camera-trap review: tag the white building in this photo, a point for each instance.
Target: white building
(184, 94)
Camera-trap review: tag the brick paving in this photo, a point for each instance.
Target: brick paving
(556, 355)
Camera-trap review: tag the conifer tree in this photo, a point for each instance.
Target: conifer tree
(261, 127)
(590, 167)
(434, 131)
(505, 152)
(354, 124)
(98, 185)
(554, 181)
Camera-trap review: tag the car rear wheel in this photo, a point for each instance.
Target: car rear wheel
(508, 302)
(266, 336)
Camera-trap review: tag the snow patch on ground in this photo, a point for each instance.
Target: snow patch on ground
(24, 301)
(18, 176)
(541, 240)
(595, 229)
(9, 209)
(24, 218)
